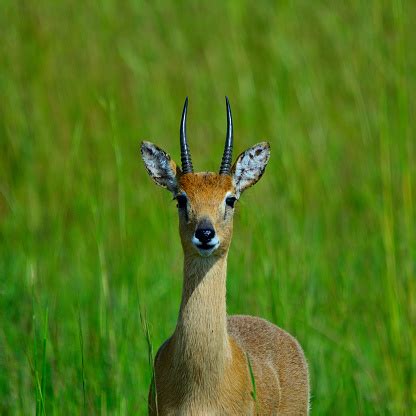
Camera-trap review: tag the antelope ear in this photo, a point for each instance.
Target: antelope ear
(249, 166)
(160, 167)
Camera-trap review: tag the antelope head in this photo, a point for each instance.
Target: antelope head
(206, 200)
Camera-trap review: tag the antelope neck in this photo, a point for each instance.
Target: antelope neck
(201, 332)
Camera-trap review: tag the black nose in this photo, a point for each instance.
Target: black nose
(204, 235)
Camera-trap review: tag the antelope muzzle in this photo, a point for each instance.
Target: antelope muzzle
(205, 238)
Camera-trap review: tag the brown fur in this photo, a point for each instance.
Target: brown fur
(203, 368)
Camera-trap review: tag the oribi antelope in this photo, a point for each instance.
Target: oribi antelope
(214, 364)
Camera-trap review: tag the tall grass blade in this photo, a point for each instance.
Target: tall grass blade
(81, 342)
(153, 390)
(253, 383)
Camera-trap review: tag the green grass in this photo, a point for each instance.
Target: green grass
(253, 384)
(324, 245)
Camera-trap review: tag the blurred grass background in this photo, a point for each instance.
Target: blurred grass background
(324, 246)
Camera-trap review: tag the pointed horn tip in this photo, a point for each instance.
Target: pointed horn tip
(228, 106)
(185, 105)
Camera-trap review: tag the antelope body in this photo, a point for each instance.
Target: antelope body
(208, 365)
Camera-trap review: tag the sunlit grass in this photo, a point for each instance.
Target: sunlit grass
(324, 245)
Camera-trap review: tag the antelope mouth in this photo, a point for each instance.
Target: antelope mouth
(206, 249)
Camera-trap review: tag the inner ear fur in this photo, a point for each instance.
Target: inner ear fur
(160, 166)
(250, 166)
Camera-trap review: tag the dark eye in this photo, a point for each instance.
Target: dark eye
(181, 199)
(230, 201)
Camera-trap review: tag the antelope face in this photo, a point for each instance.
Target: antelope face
(206, 200)
(205, 206)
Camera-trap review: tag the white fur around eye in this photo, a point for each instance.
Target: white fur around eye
(250, 166)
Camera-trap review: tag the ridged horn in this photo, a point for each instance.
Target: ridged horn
(227, 156)
(185, 152)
